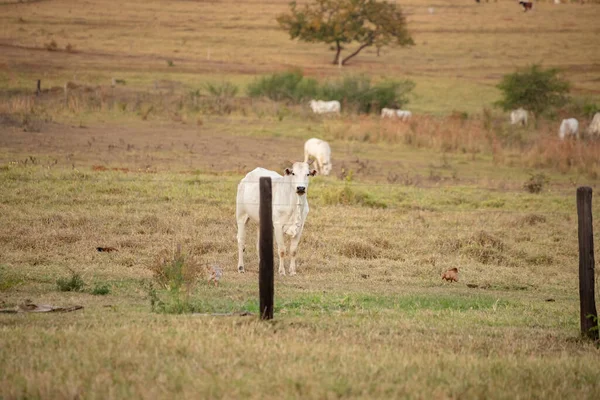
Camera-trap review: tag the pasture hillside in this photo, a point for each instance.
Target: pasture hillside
(152, 165)
(462, 48)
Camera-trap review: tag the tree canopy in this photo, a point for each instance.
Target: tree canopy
(342, 22)
(534, 88)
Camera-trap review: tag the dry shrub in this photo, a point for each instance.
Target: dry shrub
(174, 270)
(346, 195)
(530, 220)
(549, 151)
(359, 249)
(481, 246)
(536, 183)
(51, 46)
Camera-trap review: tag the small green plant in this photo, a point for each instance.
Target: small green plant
(100, 290)
(74, 283)
(219, 97)
(170, 63)
(536, 183)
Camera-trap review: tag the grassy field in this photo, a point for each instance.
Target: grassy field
(143, 168)
(461, 50)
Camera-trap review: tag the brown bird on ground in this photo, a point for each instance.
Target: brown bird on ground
(451, 275)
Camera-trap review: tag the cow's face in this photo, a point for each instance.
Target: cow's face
(327, 168)
(299, 173)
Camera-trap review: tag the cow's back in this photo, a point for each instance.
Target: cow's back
(248, 194)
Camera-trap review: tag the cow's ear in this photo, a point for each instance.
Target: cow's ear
(313, 172)
(287, 171)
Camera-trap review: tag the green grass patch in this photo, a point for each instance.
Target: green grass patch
(73, 283)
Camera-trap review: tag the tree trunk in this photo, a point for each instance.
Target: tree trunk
(362, 46)
(337, 53)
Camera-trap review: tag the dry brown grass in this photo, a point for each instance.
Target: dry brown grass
(534, 147)
(141, 167)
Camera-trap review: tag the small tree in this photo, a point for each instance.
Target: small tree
(534, 89)
(341, 22)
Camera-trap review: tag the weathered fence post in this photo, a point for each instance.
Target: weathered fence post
(39, 87)
(587, 301)
(266, 270)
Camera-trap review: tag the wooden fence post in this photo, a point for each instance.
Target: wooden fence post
(266, 269)
(39, 87)
(587, 301)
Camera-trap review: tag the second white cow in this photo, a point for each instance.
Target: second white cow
(569, 128)
(518, 117)
(325, 107)
(593, 130)
(290, 208)
(321, 152)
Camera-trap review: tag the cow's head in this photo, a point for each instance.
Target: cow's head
(327, 168)
(299, 174)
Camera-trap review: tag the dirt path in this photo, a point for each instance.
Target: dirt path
(168, 147)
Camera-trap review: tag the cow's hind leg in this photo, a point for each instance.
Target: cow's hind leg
(241, 237)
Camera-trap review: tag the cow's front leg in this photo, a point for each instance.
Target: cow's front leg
(293, 250)
(280, 247)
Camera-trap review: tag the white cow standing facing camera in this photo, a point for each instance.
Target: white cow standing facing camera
(320, 150)
(290, 208)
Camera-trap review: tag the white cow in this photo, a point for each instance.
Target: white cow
(569, 128)
(403, 115)
(325, 107)
(518, 117)
(320, 150)
(594, 129)
(388, 113)
(290, 208)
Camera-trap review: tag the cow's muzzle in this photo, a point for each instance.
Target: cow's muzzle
(300, 190)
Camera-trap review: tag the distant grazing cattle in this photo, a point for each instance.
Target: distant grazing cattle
(569, 128)
(527, 5)
(320, 150)
(325, 107)
(593, 130)
(403, 115)
(290, 208)
(451, 275)
(388, 113)
(518, 117)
